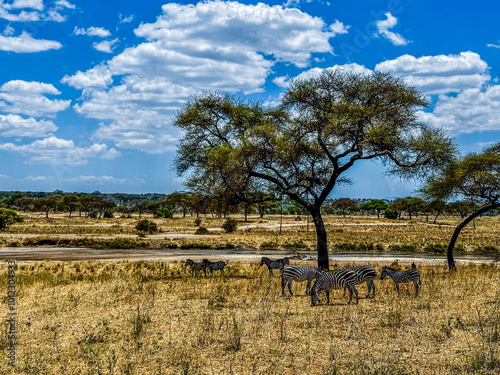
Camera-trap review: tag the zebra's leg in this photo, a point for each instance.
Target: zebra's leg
(345, 288)
(270, 271)
(373, 288)
(369, 284)
(356, 293)
(308, 287)
(416, 288)
(327, 297)
(283, 282)
(290, 286)
(397, 288)
(211, 272)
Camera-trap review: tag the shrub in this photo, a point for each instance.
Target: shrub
(295, 245)
(403, 248)
(145, 225)
(165, 212)
(391, 214)
(435, 248)
(201, 230)
(108, 213)
(8, 217)
(269, 245)
(230, 225)
(93, 214)
(197, 221)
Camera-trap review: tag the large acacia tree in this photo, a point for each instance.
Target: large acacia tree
(475, 177)
(303, 146)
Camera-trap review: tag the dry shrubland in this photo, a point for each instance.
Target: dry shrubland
(155, 318)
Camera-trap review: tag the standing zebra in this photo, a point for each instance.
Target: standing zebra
(364, 273)
(197, 266)
(273, 264)
(214, 266)
(403, 276)
(298, 273)
(334, 280)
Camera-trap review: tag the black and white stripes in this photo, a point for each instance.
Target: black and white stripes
(214, 266)
(273, 264)
(298, 273)
(407, 276)
(334, 280)
(364, 274)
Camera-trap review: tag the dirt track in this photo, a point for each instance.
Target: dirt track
(50, 253)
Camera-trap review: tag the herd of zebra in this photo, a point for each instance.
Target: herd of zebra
(346, 278)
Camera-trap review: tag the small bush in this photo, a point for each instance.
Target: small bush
(145, 225)
(230, 225)
(403, 248)
(93, 214)
(197, 221)
(295, 245)
(164, 212)
(201, 230)
(269, 245)
(108, 214)
(391, 214)
(435, 248)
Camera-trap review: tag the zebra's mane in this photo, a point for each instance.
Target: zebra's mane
(390, 268)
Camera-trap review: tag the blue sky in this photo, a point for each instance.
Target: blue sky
(88, 89)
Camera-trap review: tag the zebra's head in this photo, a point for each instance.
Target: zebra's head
(314, 298)
(263, 261)
(286, 261)
(414, 266)
(189, 262)
(384, 273)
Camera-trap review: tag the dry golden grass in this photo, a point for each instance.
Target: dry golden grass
(155, 318)
(352, 234)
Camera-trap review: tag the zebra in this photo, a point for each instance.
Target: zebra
(273, 264)
(407, 276)
(214, 266)
(298, 273)
(334, 280)
(201, 266)
(364, 273)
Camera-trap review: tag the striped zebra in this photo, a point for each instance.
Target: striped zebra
(364, 273)
(214, 266)
(298, 273)
(403, 276)
(273, 264)
(334, 280)
(196, 266)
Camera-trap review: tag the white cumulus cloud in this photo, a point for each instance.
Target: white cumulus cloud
(441, 73)
(92, 31)
(211, 45)
(25, 43)
(383, 27)
(53, 150)
(29, 98)
(17, 126)
(105, 46)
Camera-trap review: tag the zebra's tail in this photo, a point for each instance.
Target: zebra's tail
(419, 280)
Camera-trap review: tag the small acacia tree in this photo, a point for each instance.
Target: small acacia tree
(475, 177)
(303, 147)
(9, 217)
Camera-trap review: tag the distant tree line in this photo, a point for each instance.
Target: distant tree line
(222, 204)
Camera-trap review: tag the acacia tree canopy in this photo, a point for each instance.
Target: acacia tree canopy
(302, 147)
(475, 177)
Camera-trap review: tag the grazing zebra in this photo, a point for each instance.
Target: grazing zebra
(298, 273)
(364, 273)
(214, 266)
(196, 266)
(403, 276)
(273, 264)
(334, 280)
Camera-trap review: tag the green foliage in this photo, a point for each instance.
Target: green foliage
(9, 217)
(391, 214)
(197, 221)
(202, 230)
(93, 214)
(435, 248)
(406, 248)
(146, 225)
(164, 212)
(108, 213)
(230, 225)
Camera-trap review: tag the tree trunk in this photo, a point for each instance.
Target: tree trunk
(321, 239)
(451, 261)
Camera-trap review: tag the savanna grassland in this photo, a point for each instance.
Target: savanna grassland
(350, 234)
(156, 318)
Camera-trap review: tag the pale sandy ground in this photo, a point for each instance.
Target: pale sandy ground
(50, 253)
